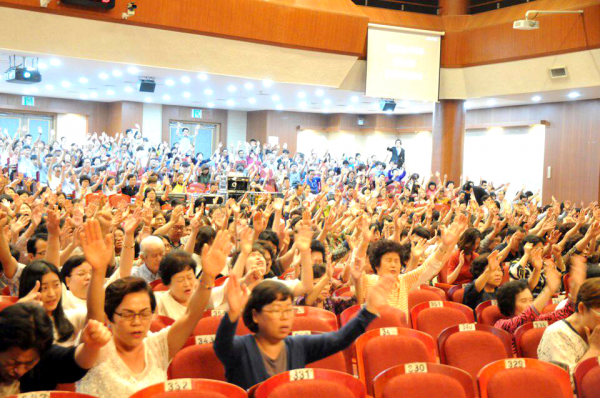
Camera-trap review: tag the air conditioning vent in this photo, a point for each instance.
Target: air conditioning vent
(558, 72)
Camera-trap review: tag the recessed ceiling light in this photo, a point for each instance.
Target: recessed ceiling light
(128, 89)
(42, 65)
(325, 110)
(303, 104)
(231, 88)
(230, 102)
(301, 94)
(573, 94)
(354, 98)
(389, 112)
(279, 107)
(103, 76)
(93, 95)
(491, 102)
(187, 94)
(319, 93)
(110, 92)
(55, 62)
(275, 97)
(26, 91)
(148, 99)
(208, 91)
(83, 80)
(34, 89)
(202, 76)
(65, 84)
(267, 83)
(83, 96)
(169, 82)
(252, 100)
(248, 86)
(166, 97)
(210, 104)
(133, 70)
(536, 98)
(117, 73)
(350, 107)
(327, 102)
(185, 79)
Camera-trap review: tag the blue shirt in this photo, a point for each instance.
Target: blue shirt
(314, 184)
(143, 272)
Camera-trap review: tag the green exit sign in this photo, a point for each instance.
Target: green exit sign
(197, 113)
(27, 101)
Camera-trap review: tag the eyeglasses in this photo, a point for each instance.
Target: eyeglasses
(83, 274)
(280, 312)
(129, 316)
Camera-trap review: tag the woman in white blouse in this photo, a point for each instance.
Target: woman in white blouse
(177, 271)
(135, 359)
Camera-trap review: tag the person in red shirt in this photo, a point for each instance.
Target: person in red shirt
(459, 265)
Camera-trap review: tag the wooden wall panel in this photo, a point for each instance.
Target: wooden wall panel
(184, 114)
(284, 125)
(96, 112)
(256, 126)
(115, 118)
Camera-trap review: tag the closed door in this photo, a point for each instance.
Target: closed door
(35, 125)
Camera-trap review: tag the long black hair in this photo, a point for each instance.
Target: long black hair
(33, 273)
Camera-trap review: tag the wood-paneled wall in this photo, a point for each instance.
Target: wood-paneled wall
(96, 112)
(184, 114)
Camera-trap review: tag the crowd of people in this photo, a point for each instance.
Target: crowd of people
(82, 264)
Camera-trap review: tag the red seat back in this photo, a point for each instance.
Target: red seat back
(311, 383)
(419, 296)
(389, 317)
(488, 313)
(6, 301)
(456, 293)
(160, 322)
(434, 316)
(316, 319)
(528, 337)
(210, 322)
(191, 388)
(587, 378)
(336, 361)
(197, 361)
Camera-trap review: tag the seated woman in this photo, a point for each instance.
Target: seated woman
(488, 276)
(530, 265)
(76, 274)
(134, 359)
(576, 338)
(268, 312)
(177, 271)
(29, 359)
(516, 301)
(459, 271)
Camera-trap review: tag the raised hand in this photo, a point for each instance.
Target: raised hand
(34, 296)
(237, 297)
(259, 222)
(577, 275)
(357, 268)
(53, 222)
(246, 240)
(536, 258)
(132, 222)
(552, 279)
(98, 249)
(215, 258)
(95, 335)
(304, 239)
(418, 249)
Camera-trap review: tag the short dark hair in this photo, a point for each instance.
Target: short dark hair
(206, 235)
(26, 326)
(422, 232)
(382, 247)
(589, 293)
(270, 236)
(479, 265)
(173, 263)
(507, 295)
(264, 294)
(317, 246)
(116, 292)
(32, 242)
(533, 239)
(69, 265)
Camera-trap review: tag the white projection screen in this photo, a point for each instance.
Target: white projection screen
(403, 63)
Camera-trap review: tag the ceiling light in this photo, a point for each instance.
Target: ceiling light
(187, 94)
(26, 91)
(128, 89)
(202, 76)
(354, 99)
(301, 94)
(230, 102)
(325, 110)
(231, 88)
(248, 86)
(42, 65)
(110, 92)
(319, 93)
(34, 89)
(83, 80)
(267, 83)
(55, 62)
(327, 102)
(83, 96)
(93, 95)
(133, 70)
(303, 104)
(536, 98)
(210, 104)
(169, 82)
(103, 76)
(185, 79)
(148, 99)
(279, 107)
(389, 111)
(275, 98)
(166, 97)
(350, 108)
(573, 94)
(491, 102)
(252, 100)
(208, 91)
(65, 84)
(117, 73)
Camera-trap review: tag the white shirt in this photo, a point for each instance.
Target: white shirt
(112, 378)
(560, 343)
(72, 302)
(166, 305)
(77, 319)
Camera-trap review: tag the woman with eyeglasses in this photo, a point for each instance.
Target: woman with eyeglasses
(269, 313)
(135, 359)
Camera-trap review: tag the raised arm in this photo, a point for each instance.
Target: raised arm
(9, 263)
(303, 240)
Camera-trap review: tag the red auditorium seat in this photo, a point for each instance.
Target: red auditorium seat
(471, 346)
(6, 301)
(424, 380)
(51, 394)
(488, 313)
(158, 286)
(191, 388)
(311, 383)
(389, 317)
(345, 291)
(528, 337)
(419, 296)
(445, 287)
(456, 293)
(336, 361)
(524, 377)
(315, 319)
(210, 323)
(160, 322)
(380, 349)
(197, 361)
(220, 281)
(116, 200)
(6, 291)
(434, 289)
(434, 316)
(587, 378)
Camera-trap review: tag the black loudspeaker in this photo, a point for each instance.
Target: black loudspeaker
(146, 86)
(237, 184)
(104, 4)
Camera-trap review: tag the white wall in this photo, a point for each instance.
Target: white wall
(71, 126)
(236, 127)
(152, 122)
